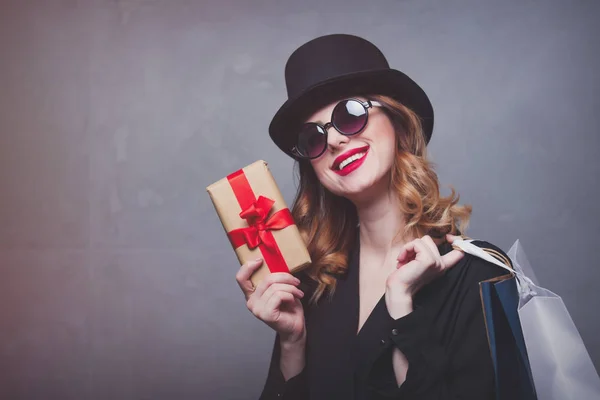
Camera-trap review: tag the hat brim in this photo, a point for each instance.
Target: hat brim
(389, 82)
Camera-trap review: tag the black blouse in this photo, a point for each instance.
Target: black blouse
(444, 340)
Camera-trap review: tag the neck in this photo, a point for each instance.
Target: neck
(381, 223)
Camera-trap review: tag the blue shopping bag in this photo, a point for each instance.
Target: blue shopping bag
(500, 304)
(500, 300)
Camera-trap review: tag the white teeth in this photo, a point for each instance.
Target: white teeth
(350, 159)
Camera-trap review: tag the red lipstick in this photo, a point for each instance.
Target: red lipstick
(353, 165)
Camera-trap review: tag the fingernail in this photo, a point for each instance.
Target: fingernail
(259, 259)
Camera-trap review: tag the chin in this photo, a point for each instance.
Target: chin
(355, 189)
(356, 184)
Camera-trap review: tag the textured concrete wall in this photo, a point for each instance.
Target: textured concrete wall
(116, 279)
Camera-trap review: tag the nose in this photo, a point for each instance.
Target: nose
(335, 140)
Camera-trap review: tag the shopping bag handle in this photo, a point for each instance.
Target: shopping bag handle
(524, 284)
(467, 246)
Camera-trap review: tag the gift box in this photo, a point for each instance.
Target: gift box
(258, 222)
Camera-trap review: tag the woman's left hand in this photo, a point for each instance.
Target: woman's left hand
(419, 263)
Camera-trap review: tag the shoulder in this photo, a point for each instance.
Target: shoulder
(471, 270)
(479, 269)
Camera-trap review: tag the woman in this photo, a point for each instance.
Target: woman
(387, 310)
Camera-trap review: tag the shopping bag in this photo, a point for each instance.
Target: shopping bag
(500, 300)
(560, 366)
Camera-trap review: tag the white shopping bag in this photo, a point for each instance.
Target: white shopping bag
(560, 364)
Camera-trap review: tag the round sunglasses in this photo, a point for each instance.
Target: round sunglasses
(349, 117)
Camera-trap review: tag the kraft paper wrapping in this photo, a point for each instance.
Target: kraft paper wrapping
(288, 239)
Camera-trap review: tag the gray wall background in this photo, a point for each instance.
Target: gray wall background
(116, 278)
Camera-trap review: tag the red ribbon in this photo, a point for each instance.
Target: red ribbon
(258, 233)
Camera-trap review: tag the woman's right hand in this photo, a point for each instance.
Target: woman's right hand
(275, 301)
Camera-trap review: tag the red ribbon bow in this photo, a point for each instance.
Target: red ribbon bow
(258, 233)
(259, 226)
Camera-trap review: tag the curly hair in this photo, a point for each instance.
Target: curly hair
(328, 223)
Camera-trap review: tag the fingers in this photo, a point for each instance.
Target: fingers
(431, 245)
(281, 287)
(426, 250)
(405, 255)
(426, 265)
(450, 259)
(451, 238)
(408, 252)
(244, 274)
(413, 249)
(265, 303)
(276, 300)
(274, 278)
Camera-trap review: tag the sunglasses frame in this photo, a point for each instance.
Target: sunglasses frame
(325, 127)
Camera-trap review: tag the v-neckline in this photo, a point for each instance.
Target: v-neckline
(369, 317)
(355, 265)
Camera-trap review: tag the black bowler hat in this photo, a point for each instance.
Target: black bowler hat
(330, 67)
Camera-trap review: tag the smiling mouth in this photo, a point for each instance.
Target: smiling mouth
(351, 159)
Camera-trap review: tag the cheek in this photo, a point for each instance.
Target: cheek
(321, 169)
(319, 166)
(390, 148)
(326, 177)
(386, 143)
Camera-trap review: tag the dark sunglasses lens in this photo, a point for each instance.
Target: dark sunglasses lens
(349, 117)
(311, 140)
